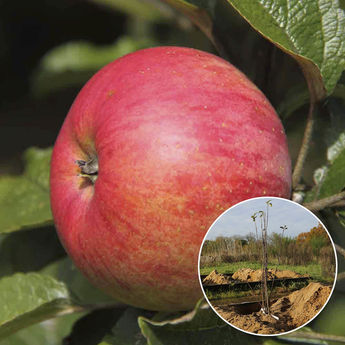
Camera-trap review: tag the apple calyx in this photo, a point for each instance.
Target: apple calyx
(89, 169)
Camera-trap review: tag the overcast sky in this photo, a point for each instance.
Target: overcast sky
(237, 220)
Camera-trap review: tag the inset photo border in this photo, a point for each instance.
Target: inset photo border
(267, 266)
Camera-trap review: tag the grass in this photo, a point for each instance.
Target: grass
(229, 294)
(314, 270)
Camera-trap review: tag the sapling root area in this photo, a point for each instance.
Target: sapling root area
(286, 313)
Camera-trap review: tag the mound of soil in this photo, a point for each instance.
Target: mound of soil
(216, 278)
(249, 275)
(305, 303)
(293, 311)
(280, 274)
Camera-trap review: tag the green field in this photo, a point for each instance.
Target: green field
(230, 295)
(314, 270)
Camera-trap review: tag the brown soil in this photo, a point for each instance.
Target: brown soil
(293, 311)
(249, 275)
(216, 278)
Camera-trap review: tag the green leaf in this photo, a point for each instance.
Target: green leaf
(147, 9)
(201, 316)
(311, 32)
(342, 4)
(29, 298)
(331, 320)
(329, 179)
(294, 99)
(337, 149)
(272, 342)
(91, 328)
(225, 335)
(126, 330)
(82, 291)
(333, 176)
(24, 199)
(200, 326)
(50, 332)
(334, 181)
(73, 63)
(339, 92)
(293, 338)
(31, 250)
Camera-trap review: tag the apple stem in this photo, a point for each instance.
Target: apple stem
(302, 155)
(89, 168)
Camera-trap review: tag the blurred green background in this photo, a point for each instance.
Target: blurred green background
(49, 49)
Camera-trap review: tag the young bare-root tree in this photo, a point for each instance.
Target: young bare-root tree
(265, 297)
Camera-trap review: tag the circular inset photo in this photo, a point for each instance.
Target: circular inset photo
(267, 266)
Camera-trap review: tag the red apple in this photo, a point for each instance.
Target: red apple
(155, 147)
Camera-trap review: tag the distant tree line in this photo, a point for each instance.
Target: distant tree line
(309, 247)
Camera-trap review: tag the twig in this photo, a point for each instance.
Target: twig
(313, 335)
(325, 202)
(341, 276)
(302, 155)
(340, 203)
(340, 250)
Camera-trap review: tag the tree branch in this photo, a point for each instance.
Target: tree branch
(340, 203)
(340, 250)
(302, 155)
(325, 202)
(313, 335)
(341, 276)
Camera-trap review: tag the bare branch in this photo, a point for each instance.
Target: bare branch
(341, 276)
(302, 155)
(340, 203)
(340, 250)
(313, 335)
(325, 202)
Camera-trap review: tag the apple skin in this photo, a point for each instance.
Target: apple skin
(180, 136)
